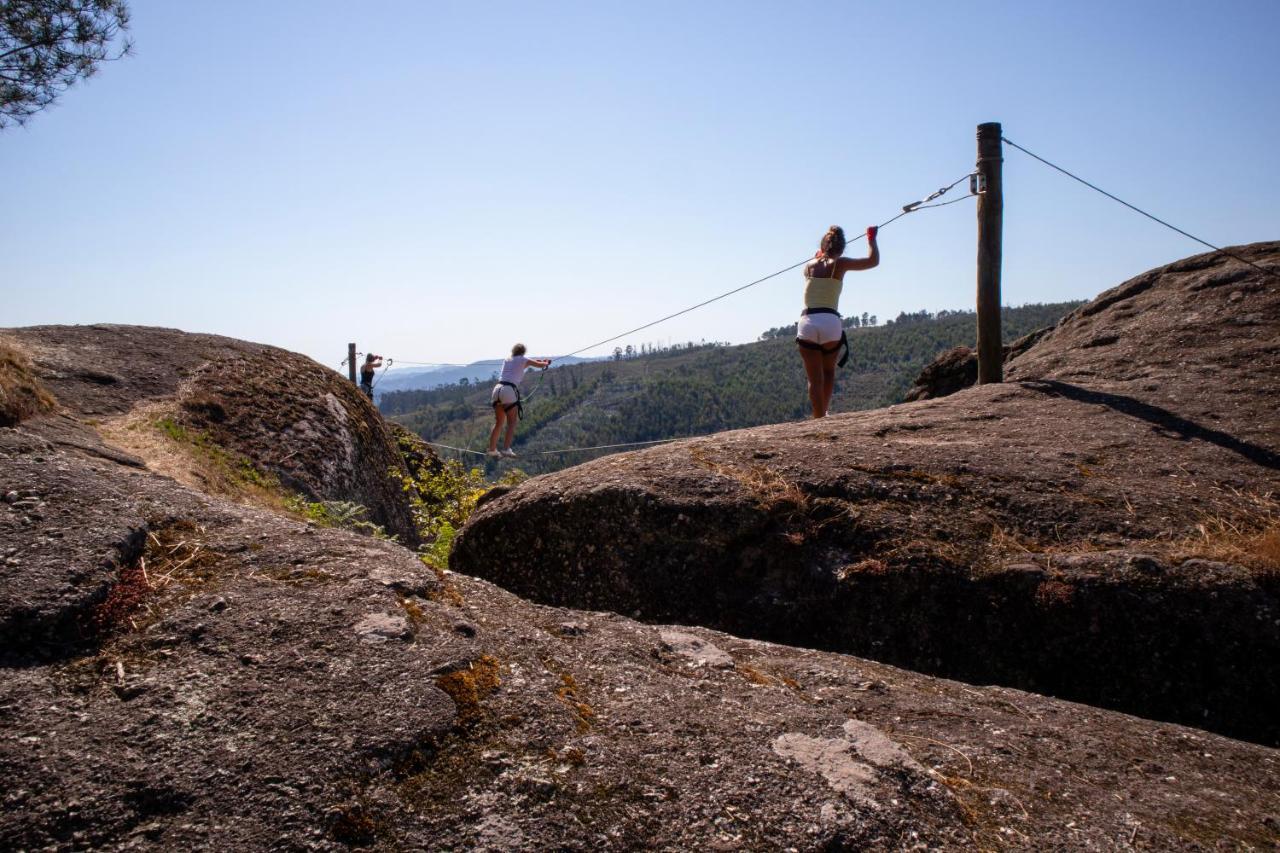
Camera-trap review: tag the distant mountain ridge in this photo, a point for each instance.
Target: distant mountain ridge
(695, 389)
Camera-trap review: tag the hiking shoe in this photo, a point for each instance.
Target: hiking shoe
(509, 453)
(493, 454)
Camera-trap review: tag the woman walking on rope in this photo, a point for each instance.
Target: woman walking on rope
(820, 333)
(506, 397)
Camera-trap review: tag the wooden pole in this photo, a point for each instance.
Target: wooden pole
(990, 223)
(351, 362)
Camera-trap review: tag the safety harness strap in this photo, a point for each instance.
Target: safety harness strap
(844, 337)
(518, 405)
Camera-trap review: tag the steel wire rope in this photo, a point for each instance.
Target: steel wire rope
(1137, 209)
(622, 444)
(451, 447)
(911, 208)
(570, 449)
(432, 363)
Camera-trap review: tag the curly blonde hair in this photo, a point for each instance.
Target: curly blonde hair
(518, 349)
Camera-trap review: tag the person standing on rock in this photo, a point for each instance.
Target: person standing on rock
(820, 333)
(371, 364)
(506, 398)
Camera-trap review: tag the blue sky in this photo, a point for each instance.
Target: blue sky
(437, 180)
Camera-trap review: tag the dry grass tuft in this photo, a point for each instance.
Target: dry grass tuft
(21, 394)
(1249, 537)
(175, 554)
(767, 487)
(1008, 541)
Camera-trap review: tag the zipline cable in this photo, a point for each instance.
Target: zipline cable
(433, 363)
(910, 208)
(1140, 210)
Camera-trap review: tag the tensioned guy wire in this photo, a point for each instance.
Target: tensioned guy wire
(1137, 209)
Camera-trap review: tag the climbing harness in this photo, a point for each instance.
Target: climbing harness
(518, 405)
(844, 336)
(521, 399)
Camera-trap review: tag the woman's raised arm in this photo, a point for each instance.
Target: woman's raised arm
(871, 260)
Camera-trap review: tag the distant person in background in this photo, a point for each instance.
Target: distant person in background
(820, 333)
(371, 364)
(506, 397)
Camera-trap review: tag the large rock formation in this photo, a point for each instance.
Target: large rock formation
(957, 368)
(276, 413)
(1103, 526)
(186, 670)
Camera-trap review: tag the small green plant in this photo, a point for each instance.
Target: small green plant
(442, 500)
(173, 429)
(340, 514)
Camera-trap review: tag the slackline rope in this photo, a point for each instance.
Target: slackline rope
(451, 447)
(1137, 209)
(568, 449)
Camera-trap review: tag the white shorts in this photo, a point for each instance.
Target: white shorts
(504, 394)
(819, 328)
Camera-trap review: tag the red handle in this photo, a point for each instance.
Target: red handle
(871, 232)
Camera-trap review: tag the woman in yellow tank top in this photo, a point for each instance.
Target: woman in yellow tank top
(820, 332)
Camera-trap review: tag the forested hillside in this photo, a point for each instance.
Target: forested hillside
(694, 389)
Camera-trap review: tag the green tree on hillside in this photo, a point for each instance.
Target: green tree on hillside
(46, 46)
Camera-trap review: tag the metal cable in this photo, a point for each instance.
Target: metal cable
(451, 447)
(911, 208)
(945, 203)
(606, 446)
(1140, 210)
(566, 449)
